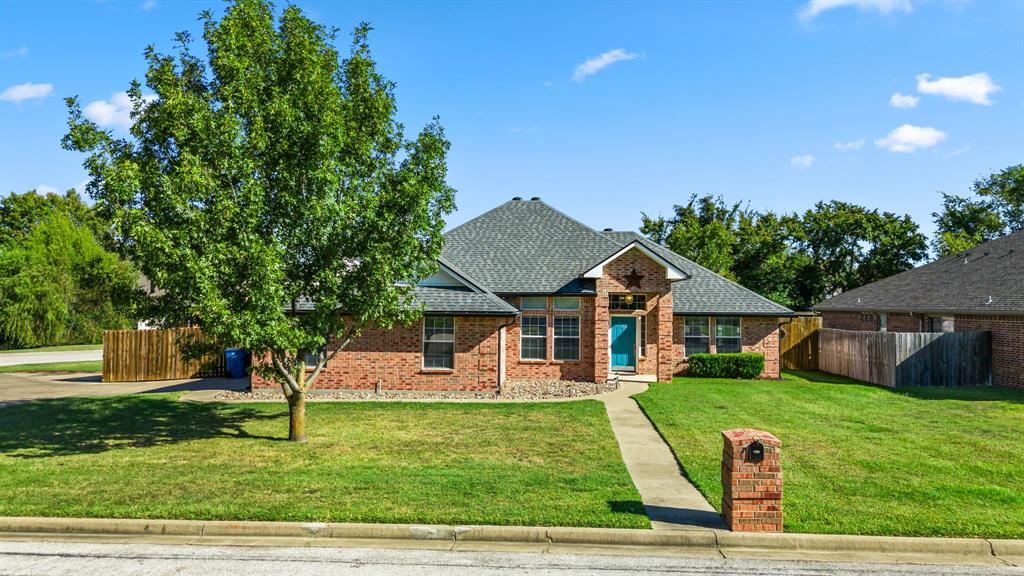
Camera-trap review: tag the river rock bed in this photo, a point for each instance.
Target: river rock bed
(514, 389)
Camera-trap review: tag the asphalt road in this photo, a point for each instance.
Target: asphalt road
(84, 559)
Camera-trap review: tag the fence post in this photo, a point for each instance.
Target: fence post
(751, 481)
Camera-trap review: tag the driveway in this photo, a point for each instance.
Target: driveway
(16, 388)
(46, 357)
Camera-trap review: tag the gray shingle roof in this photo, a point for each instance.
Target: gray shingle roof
(705, 292)
(450, 300)
(962, 282)
(528, 247)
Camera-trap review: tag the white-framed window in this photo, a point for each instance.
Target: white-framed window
(534, 303)
(565, 303)
(567, 337)
(642, 323)
(533, 337)
(439, 342)
(727, 334)
(696, 335)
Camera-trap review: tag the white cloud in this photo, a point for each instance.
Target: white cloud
(26, 91)
(44, 189)
(903, 100)
(805, 161)
(148, 5)
(596, 64)
(815, 8)
(974, 88)
(114, 112)
(16, 53)
(909, 138)
(851, 145)
(521, 130)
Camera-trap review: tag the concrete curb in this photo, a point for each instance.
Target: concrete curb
(720, 541)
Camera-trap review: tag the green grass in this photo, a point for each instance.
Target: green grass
(82, 366)
(859, 459)
(65, 348)
(156, 457)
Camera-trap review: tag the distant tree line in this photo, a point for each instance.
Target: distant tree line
(60, 280)
(800, 259)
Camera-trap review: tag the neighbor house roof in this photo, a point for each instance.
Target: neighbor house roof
(987, 279)
(528, 247)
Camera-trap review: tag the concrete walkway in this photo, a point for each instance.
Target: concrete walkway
(16, 388)
(671, 501)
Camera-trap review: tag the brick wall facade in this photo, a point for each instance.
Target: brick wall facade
(1007, 336)
(757, 334)
(658, 357)
(1007, 345)
(393, 359)
(581, 370)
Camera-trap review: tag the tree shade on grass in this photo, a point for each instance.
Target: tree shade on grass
(156, 457)
(859, 459)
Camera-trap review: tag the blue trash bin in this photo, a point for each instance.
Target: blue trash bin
(235, 359)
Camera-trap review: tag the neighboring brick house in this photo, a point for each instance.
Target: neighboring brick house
(980, 290)
(524, 291)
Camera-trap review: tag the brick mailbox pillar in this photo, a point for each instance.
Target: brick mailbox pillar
(751, 481)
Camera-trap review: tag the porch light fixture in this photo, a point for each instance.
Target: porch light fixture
(628, 298)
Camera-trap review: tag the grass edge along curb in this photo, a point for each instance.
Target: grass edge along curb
(697, 538)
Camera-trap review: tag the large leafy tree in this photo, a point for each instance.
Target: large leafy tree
(796, 260)
(996, 208)
(19, 213)
(59, 285)
(703, 230)
(270, 192)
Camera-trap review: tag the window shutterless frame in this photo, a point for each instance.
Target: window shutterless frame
(533, 337)
(696, 335)
(567, 338)
(438, 348)
(728, 334)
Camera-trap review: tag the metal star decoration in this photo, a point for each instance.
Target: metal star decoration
(633, 279)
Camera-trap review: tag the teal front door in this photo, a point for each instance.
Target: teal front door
(623, 342)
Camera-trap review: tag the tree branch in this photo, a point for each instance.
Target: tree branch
(290, 385)
(325, 358)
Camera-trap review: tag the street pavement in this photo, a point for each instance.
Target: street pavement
(84, 559)
(15, 358)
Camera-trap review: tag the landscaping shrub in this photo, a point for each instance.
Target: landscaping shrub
(735, 365)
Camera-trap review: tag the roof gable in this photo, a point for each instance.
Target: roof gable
(671, 271)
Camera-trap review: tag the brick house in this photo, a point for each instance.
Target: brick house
(524, 291)
(980, 290)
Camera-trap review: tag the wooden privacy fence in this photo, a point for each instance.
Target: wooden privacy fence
(799, 343)
(139, 355)
(903, 359)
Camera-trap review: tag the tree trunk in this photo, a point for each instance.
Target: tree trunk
(297, 417)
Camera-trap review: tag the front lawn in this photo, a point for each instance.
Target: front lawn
(156, 457)
(859, 459)
(77, 366)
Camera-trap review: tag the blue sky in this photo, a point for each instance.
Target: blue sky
(608, 110)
